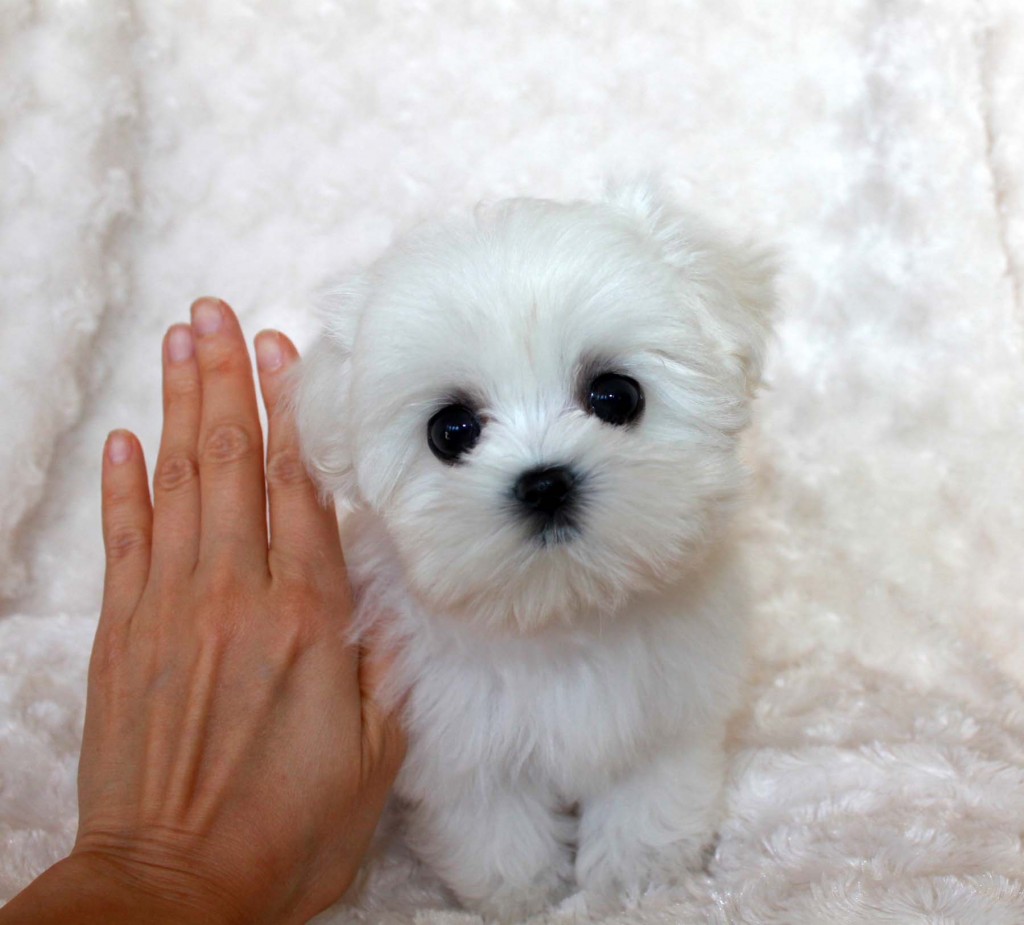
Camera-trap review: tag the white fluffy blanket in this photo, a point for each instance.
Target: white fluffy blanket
(151, 151)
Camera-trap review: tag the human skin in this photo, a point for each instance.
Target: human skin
(235, 756)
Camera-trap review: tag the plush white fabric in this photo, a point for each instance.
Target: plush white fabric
(152, 151)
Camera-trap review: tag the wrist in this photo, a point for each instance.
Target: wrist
(90, 888)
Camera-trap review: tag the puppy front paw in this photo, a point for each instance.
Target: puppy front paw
(505, 857)
(626, 868)
(655, 828)
(514, 901)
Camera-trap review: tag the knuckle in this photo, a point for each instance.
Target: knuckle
(295, 601)
(174, 471)
(115, 495)
(182, 388)
(307, 586)
(227, 442)
(384, 744)
(285, 469)
(221, 581)
(110, 650)
(222, 616)
(297, 633)
(221, 360)
(298, 622)
(228, 585)
(222, 629)
(125, 541)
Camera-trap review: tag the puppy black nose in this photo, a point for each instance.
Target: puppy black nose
(545, 490)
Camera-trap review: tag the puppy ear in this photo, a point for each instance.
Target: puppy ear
(735, 282)
(321, 395)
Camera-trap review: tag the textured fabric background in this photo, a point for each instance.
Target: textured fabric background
(153, 151)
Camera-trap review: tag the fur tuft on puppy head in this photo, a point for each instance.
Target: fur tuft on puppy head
(739, 277)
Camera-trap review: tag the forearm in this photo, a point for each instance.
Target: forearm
(84, 891)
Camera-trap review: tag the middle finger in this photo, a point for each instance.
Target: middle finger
(175, 478)
(233, 499)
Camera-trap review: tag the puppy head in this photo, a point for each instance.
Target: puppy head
(541, 404)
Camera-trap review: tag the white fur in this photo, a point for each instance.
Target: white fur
(591, 678)
(880, 765)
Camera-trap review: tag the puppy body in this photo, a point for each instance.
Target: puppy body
(569, 673)
(602, 740)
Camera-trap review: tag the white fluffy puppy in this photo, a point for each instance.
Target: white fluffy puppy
(531, 419)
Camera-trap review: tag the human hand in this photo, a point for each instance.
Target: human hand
(235, 760)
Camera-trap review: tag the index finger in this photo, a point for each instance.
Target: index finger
(303, 532)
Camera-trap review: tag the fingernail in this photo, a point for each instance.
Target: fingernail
(268, 351)
(119, 447)
(179, 343)
(207, 316)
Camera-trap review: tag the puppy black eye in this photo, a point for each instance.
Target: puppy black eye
(615, 399)
(453, 431)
